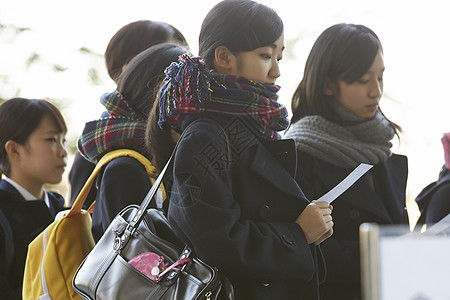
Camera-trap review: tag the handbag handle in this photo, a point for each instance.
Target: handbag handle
(77, 205)
(122, 240)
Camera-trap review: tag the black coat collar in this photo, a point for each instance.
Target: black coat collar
(277, 162)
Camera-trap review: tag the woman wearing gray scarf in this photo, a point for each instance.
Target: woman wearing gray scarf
(336, 125)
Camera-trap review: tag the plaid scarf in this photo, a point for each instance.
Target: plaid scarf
(122, 129)
(191, 87)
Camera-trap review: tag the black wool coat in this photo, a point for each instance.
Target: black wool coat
(124, 181)
(377, 197)
(434, 200)
(234, 200)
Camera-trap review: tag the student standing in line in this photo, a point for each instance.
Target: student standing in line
(234, 198)
(124, 180)
(434, 200)
(337, 124)
(32, 154)
(126, 43)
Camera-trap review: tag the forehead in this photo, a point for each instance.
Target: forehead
(47, 125)
(278, 44)
(378, 63)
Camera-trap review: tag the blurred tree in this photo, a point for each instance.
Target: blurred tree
(12, 37)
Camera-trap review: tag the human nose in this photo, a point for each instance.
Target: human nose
(62, 149)
(275, 70)
(376, 89)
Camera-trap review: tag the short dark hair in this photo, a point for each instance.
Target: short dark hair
(240, 25)
(19, 117)
(135, 37)
(141, 80)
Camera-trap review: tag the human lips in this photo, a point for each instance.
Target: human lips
(372, 106)
(61, 166)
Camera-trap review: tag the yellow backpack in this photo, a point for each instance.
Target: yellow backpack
(55, 254)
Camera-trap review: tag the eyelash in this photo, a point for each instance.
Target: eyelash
(267, 56)
(54, 140)
(367, 81)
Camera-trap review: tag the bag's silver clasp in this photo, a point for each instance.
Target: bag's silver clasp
(121, 241)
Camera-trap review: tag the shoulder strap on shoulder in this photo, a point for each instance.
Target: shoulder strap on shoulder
(77, 205)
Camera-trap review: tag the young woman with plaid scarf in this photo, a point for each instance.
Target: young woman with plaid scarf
(233, 196)
(124, 180)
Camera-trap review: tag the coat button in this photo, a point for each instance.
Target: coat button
(287, 239)
(264, 212)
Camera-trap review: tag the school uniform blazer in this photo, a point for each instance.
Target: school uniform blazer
(27, 219)
(236, 205)
(124, 181)
(379, 197)
(434, 200)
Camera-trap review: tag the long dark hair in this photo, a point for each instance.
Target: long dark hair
(240, 25)
(159, 141)
(135, 37)
(342, 52)
(140, 81)
(19, 117)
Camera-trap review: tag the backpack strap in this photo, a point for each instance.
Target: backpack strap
(77, 205)
(8, 244)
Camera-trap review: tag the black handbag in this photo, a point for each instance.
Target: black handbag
(107, 274)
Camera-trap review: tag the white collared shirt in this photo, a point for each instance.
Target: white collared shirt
(26, 194)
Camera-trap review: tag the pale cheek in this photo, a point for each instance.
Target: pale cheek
(46, 150)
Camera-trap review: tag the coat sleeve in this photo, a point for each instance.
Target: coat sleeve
(204, 210)
(439, 205)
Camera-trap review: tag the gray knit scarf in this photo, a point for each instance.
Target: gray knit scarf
(365, 141)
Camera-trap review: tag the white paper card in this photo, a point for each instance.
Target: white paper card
(346, 183)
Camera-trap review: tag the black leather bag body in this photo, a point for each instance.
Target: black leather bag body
(106, 273)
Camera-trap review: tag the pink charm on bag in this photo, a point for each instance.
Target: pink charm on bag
(149, 264)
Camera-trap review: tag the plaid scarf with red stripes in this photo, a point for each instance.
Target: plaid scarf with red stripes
(191, 87)
(122, 129)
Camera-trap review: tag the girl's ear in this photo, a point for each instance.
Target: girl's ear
(12, 149)
(223, 60)
(329, 88)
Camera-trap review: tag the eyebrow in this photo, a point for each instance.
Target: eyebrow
(53, 132)
(274, 46)
(382, 70)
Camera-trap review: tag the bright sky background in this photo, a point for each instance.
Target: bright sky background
(414, 35)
